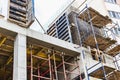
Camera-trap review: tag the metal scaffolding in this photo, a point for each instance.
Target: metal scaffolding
(55, 66)
(88, 17)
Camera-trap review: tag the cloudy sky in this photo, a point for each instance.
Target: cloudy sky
(47, 10)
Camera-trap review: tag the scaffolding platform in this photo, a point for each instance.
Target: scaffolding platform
(115, 75)
(97, 19)
(100, 74)
(103, 43)
(114, 51)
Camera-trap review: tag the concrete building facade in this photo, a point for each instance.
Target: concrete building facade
(102, 7)
(29, 55)
(110, 8)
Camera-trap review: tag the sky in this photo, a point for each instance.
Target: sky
(46, 11)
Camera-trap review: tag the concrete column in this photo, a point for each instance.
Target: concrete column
(20, 58)
(84, 64)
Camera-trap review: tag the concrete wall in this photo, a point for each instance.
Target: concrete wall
(112, 7)
(77, 3)
(4, 8)
(98, 6)
(90, 62)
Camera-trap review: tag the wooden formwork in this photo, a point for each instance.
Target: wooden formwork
(21, 12)
(99, 73)
(115, 75)
(98, 20)
(103, 43)
(97, 55)
(114, 51)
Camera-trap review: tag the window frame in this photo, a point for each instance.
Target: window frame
(114, 14)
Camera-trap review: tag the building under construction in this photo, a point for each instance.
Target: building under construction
(74, 48)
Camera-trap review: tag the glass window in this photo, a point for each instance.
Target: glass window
(116, 30)
(110, 13)
(119, 15)
(114, 14)
(111, 1)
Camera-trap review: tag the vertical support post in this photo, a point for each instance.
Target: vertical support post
(82, 54)
(104, 71)
(31, 62)
(56, 75)
(93, 31)
(38, 72)
(20, 58)
(65, 76)
(84, 65)
(78, 68)
(91, 24)
(116, 63)
(50, 66)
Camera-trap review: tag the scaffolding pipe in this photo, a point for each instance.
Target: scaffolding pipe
(89, 16)
(42, 77)
(93, 66)
(38, 72)
(40, 25)
(82, 53)
(79, 69)
(92, 29)
(45, 72)
(65, 76)
(31, 63)
(55, 67)
(44, 63)
(50, 67)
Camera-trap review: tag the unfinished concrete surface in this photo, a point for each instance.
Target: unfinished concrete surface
(19, 40)
(86, 30)
(29, 55)
(20, 58)
(55, 57)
